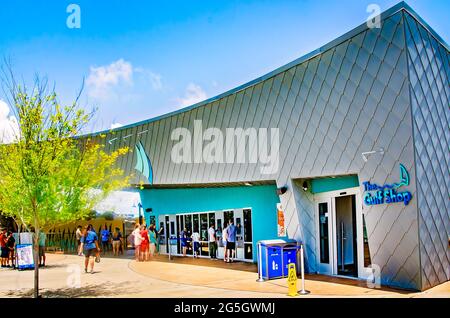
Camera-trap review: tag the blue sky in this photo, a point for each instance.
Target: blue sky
(141, 59)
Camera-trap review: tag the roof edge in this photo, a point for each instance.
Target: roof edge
(346, 36)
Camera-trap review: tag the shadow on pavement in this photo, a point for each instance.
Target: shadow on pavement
(90, 290)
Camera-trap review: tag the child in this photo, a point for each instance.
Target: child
(196, 239)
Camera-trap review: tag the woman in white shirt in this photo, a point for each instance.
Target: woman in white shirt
(196, 240)
(224, 240)
(137, 241)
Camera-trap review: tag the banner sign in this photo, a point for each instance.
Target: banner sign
(280, 217)
(25, 258)
(388, 193)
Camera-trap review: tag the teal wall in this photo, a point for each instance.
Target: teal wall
(331, 184)
(261, 199)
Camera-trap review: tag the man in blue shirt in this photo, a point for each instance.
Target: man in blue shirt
(105, 239)
(231, 242)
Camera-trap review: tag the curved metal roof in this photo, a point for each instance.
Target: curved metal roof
(361, 28)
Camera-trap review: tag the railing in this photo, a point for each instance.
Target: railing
(66, 241)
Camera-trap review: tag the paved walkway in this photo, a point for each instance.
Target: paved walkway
(122, 277)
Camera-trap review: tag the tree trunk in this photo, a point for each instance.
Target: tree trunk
(36, 264)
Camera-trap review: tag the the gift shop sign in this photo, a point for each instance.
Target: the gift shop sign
(388, 193)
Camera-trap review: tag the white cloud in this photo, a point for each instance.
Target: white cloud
(9, 127)
(155, 78)
(103, 79)
(120, 202)
(194, 94)
(115, 125)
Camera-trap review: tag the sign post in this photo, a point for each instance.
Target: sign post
(292, 280)
(260, 279)
(302, 264)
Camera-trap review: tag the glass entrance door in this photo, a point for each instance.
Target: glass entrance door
(324, 232)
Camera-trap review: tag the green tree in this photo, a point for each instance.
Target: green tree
(49, 175)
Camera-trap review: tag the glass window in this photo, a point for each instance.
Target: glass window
(204, 227)
(188, 223)
(219, 233)
(172, 228)
(367, 259)
(196, 225)
(212, 219)
(323, 229)
(161, 228)
(238, 226)
(247, 225)
(204, 249)
(227, 216)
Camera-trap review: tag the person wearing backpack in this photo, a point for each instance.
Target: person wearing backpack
(89, 244)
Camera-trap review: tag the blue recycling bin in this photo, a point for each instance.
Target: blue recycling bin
(274, 257)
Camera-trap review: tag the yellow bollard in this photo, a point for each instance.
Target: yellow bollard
(292, 280)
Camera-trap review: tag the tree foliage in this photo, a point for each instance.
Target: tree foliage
(49, 175)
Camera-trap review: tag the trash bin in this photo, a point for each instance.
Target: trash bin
(274, 257)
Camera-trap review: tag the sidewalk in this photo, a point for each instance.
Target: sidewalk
(123, 277)
(242, 277)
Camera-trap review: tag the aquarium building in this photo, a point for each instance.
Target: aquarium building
(350, 157)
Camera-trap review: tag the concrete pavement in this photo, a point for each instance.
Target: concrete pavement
(123, 277)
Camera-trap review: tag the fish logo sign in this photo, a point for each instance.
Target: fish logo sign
(143, 163)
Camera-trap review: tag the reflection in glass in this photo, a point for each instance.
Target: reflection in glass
(323, 232)
(367, 259)
(247, 225)
(204, 227)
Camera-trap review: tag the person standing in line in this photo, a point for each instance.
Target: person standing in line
(137, 242)
(105, 239)
(89, 243)
(231, 242)
(4, 248)
(42, 239)
(153, 240)
(78, 235)
(11, 244)
(196, 242)
(212, 242)
(225, 245)
(184, 242)
(116, 241)
(145, 243)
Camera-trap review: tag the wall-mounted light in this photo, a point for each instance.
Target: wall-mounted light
(148, 210)
(281, 190)
(248, 184)
(305, 186)
(367, 153)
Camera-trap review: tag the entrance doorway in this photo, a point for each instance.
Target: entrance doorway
(347, 261)
(339, 228)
